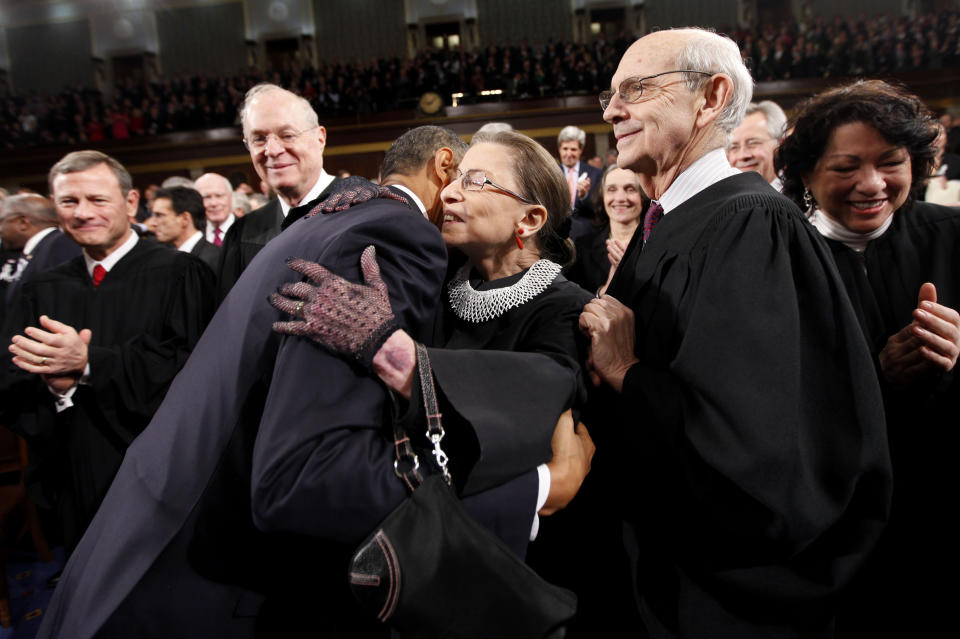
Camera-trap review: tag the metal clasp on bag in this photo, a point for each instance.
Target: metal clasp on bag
(435, 433)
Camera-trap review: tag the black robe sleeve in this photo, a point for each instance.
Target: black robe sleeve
(755, 410)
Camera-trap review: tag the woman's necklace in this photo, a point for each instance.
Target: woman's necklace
(476, 306)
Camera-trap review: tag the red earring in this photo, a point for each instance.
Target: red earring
(519, 241)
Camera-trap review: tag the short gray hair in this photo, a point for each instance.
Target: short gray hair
(177, 180)
(265, 87)
(711, 53)
(38, 209)
(572, 134)
(494, 127)
(79, 161)
(776, 118)
(241, 201)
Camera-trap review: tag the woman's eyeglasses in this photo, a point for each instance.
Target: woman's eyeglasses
(476, 179)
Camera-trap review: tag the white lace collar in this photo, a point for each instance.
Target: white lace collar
(476, 306)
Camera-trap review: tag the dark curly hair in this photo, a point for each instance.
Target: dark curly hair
(897, 115)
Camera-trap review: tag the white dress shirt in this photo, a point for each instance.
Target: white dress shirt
(709, 169)
(322, 183)
(191, 241)
(227, 223)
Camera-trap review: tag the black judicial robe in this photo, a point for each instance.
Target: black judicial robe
(250, 233)
(761, 474)
(278, 426)
(907, 588)
(592, 266)
(146, 316)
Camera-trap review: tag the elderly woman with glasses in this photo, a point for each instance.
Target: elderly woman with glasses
(506, 218)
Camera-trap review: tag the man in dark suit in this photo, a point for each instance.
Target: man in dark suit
(179, 216)
(283, 134)
(273, 431)
(583, 179)
(29, 224)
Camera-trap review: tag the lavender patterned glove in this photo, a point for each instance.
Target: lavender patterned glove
(349, 319)
(352, 191)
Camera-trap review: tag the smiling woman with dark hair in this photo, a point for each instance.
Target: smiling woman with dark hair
(857, 159)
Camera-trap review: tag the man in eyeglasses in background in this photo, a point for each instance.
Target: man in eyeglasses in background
(283, 134)
(756, 139)
(758, 471)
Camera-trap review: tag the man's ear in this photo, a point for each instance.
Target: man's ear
(717, 94)
(444, 166)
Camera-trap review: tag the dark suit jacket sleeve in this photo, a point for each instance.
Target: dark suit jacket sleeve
(320, 464)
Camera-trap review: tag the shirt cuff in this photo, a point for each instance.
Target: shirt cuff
(543, 491)
(63, 400)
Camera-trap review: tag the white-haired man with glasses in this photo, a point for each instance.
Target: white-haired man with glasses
(286, 141)
(759, 474)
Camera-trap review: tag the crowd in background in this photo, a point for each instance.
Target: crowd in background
(822, 48)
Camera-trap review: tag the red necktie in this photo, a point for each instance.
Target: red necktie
(98, 274)
(650, 219)
(216, 237)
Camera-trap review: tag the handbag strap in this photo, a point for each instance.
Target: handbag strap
(434, 426)
(406, 456)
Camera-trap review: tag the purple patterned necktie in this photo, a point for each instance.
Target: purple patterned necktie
(650, 219)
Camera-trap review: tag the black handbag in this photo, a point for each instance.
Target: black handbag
(430, 570)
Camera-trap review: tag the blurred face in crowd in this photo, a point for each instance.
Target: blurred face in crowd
(751, 147)
(570, 152)
(13, 229)
(861, 179)
(286, 148)
(217, 197)
(166, 223)
(93, 210)
(622, 196)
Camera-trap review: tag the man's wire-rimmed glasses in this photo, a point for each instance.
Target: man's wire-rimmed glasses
(632, 88)
(476, 179)
(286, 138)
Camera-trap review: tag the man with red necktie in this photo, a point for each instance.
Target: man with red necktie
(97, 340)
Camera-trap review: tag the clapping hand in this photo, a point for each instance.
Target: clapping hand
(927, 346)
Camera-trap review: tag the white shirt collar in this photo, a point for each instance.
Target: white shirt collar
(832, 229)
(709, 169)
(31, 244)
(777, 184)
(322, 183)
(227, 223)
(111, 260)
(191, 241)
(413, 196)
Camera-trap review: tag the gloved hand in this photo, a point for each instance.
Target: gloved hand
(350, 319)
(351, 191)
